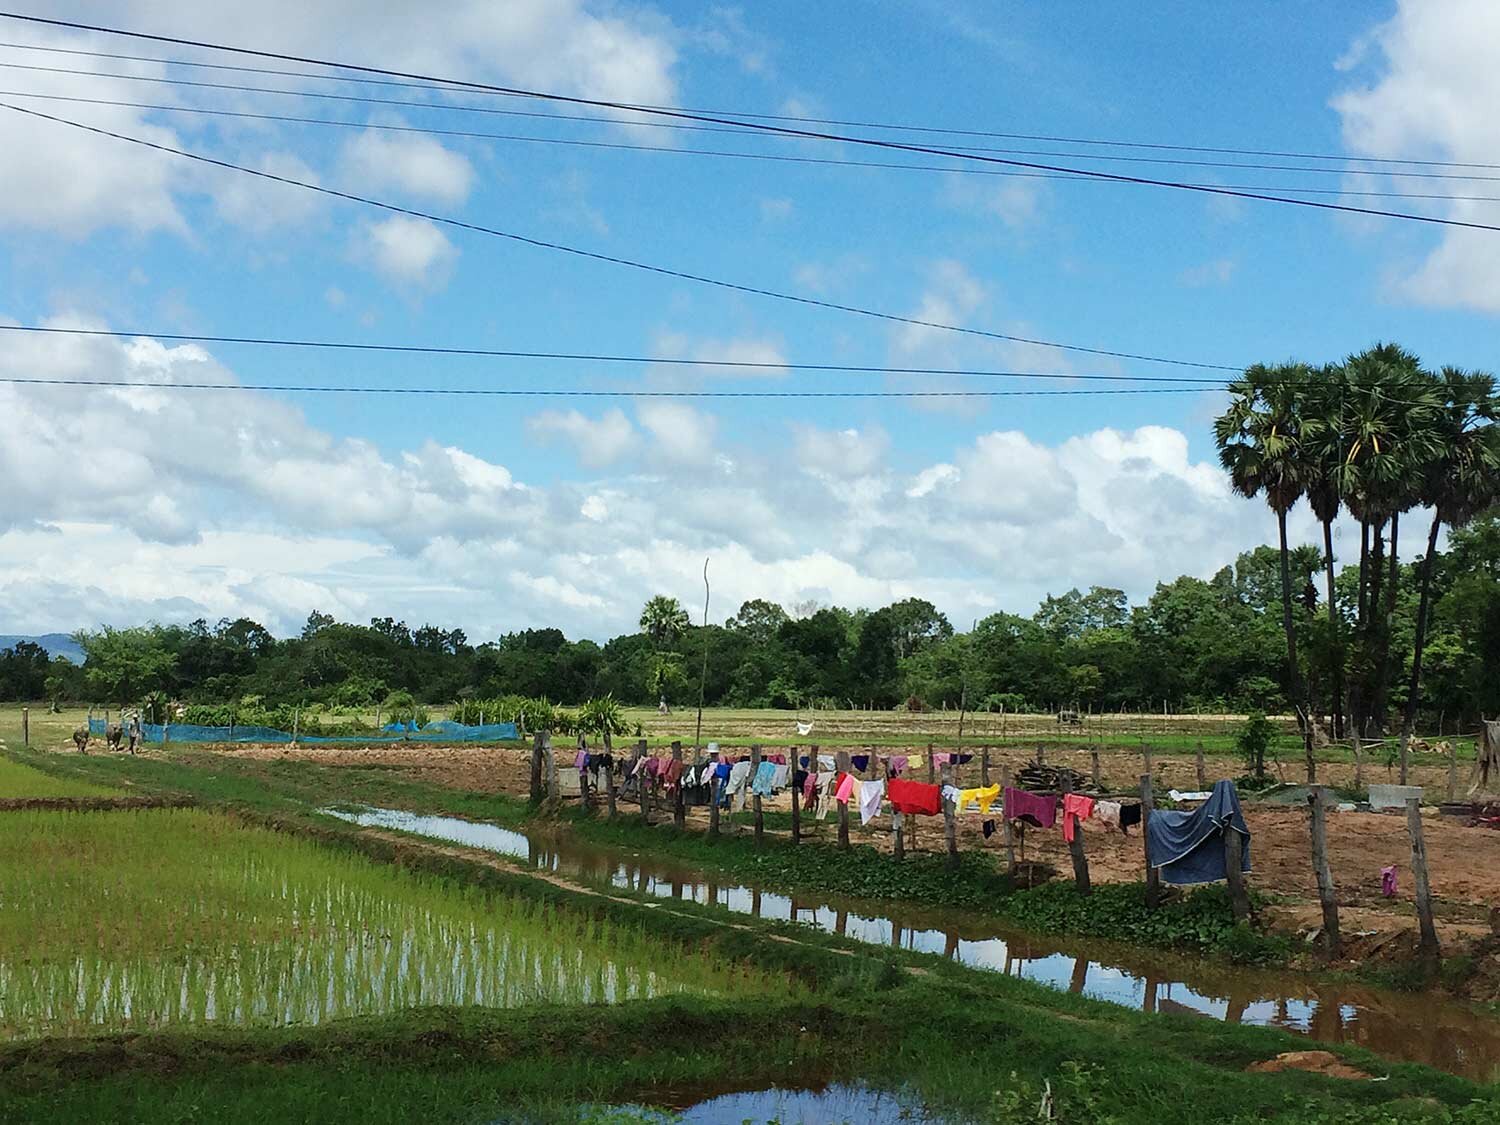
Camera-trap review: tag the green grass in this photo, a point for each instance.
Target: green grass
(153, 918)
(17, 780)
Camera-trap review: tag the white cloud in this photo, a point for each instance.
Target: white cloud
(952, 295)
(1435, 81)
(1217, 272)
(680, 434)
(597, 441)
(766, 354)
(841, 453)
(1015, 201)
(262, 205)
(411, 252)
(775, 210)
(407, 162)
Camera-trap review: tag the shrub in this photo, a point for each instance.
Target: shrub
(1254, 741)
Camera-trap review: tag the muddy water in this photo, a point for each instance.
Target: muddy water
(1413, 1027)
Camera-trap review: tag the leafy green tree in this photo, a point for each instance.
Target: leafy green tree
(759, 620)
(122, 665)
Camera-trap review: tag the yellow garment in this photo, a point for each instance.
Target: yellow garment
(913, 761)
(985, 797)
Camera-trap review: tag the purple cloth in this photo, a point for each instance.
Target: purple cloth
(581, 760)
(898, 765)
(1388, 881)
(1021, 805)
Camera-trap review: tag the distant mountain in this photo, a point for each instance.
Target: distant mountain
(56, 644)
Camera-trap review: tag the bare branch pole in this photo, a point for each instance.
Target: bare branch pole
(702, 679)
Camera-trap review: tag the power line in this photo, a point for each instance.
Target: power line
(956, 153)
(593, 255)
(782, 130)
(783, 158)
(529, 392)
(591, 357)
(441, 85)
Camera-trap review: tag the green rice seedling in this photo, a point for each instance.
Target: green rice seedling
(152, 918)
(17, 780)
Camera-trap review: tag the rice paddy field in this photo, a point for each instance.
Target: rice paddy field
(18, 781)
(162, 918)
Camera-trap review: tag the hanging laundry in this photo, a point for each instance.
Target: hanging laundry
(1188, 847)
(1107, 813)
(989, 829)
(1075, 807)
(1038, 811)
(897, 765)
(871, 793)
(761, 786)
(914, 797)
(804, 729)
(941, 758)
(845, 788)
(1388, 881)
(950, 793)
(984, 798)
(780, 773)
(914, 761)
(671, 774)
(826, 762)
(581, 760)
(861, 762)
(1130, 816)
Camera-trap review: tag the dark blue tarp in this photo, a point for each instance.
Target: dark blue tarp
(1188, 847)
(440, 732)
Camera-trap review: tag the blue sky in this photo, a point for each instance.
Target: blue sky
(495, 514)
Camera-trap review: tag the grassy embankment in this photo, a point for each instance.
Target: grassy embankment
(953, 1036)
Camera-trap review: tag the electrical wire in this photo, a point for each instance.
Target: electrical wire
(956, 153)
(592, 357)
(782, 130)
(567, 392)
(593, 255)
(476, 134)
(441, 86)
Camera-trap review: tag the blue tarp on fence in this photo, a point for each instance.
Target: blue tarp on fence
(440, 732)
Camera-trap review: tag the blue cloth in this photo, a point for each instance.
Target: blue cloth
(762, 783)
(860, 762)
(1188, 847)
(721, 771)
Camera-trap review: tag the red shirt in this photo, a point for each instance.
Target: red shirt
(914, 796)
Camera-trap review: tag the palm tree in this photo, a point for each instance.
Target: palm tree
(1459, 482)
(1323, 469)
(1259, 444)
(664, 620)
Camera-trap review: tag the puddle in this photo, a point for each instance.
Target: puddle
(833, 1105)
(1413, 1027)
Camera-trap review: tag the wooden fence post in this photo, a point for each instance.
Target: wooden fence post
(1428, 944)
(296, 722)
(536, 767)
(1007, 833)
(1041, 754)
(679, 810)
(583, 776)
(984, 766)
(1202, 772)
(609, 774)
(554, 784)
(898, 824)
(842, 760)
(930, 767)
(760, 823)
(1153, 877)
(797, 794)
(1326, 894)
(643, 784)
(1094, 764)
(1146, 752)
(1453, 770)
(1234, 858)
(1075, 845)
(950, 818)
(26, 727)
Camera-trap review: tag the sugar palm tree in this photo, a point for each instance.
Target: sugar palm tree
(1259, 438)
(1461, 480)
(664, 620)
(1323, 471)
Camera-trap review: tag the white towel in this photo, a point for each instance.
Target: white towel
(804, 729)
(871, 793)
(780, 776)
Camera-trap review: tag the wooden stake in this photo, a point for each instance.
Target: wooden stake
(1202, 773)
(26, 727)
(1428, 944)
(554, 786)
(609, 774)
(1234, 858)
(1094, 763)
(842, 759)
(1453, 771)
(1153, 877)
(898, 822)
(930, 766)
(1041, 754)
(679, 810)
(583, 777)
(797, 794)
(1075, 845)
(1007, 833)
(760, 823)
(1146, 750)
(1326, 894)
(950, 819)
(536, 768)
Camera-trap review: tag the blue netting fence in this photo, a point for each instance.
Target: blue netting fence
(439, 732)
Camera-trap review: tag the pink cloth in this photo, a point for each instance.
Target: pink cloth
(1021, 805)
(1388, 881)
(897, 765)
(1075, 807)
(941, 759)
(581, 760)
(845, 789)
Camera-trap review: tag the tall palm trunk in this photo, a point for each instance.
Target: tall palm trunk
(1380, 690)
(1371, 717)
(1295, 676)
(1337, 684)
(1409, 722)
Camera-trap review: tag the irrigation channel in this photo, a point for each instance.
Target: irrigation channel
(1414, 1027)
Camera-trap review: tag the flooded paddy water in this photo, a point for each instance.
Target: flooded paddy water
(1416, 1027)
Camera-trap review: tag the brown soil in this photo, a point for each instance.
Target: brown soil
(471, 769)
(92, 804)
(1325, 1063)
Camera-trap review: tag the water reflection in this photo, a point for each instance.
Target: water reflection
(1419, 1028)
